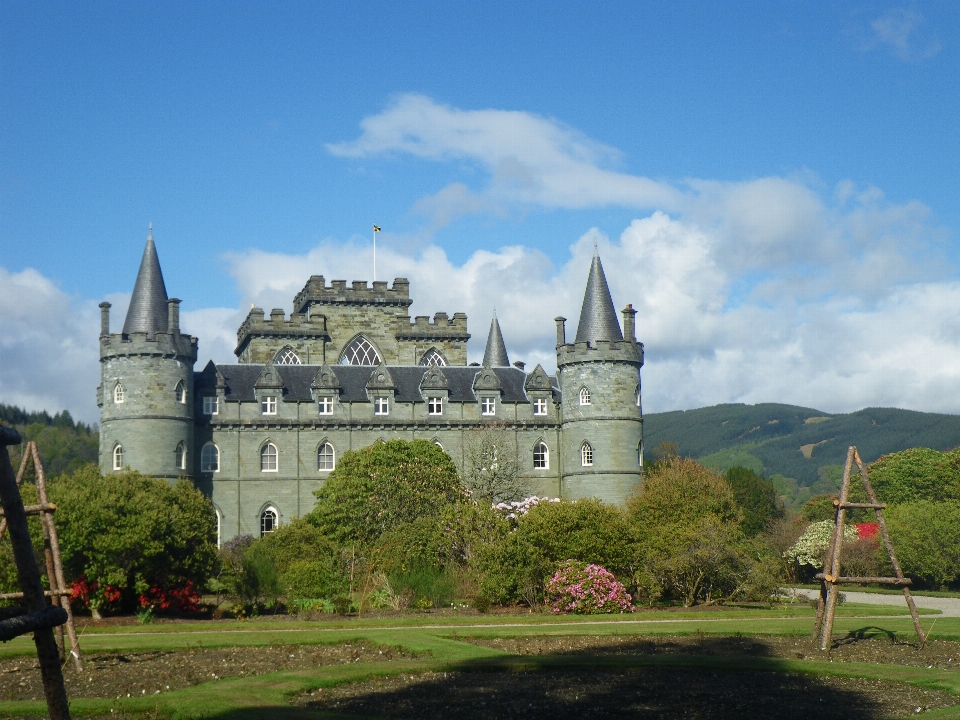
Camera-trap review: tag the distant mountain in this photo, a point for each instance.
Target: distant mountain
(64, 444)
(790, 443)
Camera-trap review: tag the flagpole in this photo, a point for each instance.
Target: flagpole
(375, 231)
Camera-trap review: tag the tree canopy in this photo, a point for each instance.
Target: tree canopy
(756, 497)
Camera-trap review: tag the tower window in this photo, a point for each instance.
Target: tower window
(268, 458)
(326, 457)
(268, 405)
(180, 457)
(438, 444)
(211, 406)
(118, 393)
(488, 406)
(433, 357)
(325, 406)
(586, 455)
(118, 457)
(287, 356)
(435, 406)
(360, 351)
(269, 521)
(541, 456)
(210, 458)
(640, 453)
(180, 393)
(381, 406)
(584, 396)
(540, 407)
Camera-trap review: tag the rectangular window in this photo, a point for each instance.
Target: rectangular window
(211, 406)
(381, 406)
(488, 406)
(268, 405)
(435, 406)
(540, 407)
(325, 406)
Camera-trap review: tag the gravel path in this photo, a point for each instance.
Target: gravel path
(950, 607)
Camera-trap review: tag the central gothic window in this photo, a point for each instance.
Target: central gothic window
(360, 352)
(287, 357)
(433, 357)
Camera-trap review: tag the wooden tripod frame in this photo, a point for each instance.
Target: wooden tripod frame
(830, 578)
(58, 592)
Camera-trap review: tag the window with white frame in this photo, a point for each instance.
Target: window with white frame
(219, 523)
(438, 444)
(433, 357)
(540, 407)
(381, 406)
(488, 406)
(640, 453)
(435, 406)
(269, 521)
(325, 406)
(180, 393)
(268, 458)
(210, 458)
(268, 405)
(586, 455)
(287, 356)
(326, 457)
(118, 457)
(360, 351)
(584, 396)
(541, 456)
(180, 457)
(118, 393)
(211, 405)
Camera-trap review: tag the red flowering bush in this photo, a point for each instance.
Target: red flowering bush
(587, 590)
(183, 598)
(867, 530)
(93, 596)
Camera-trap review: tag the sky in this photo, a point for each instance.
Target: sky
(773, 186)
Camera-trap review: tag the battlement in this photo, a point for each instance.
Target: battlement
(174, 345)
(442, 326)
(600, 351)
(316, 292)
(297, 326)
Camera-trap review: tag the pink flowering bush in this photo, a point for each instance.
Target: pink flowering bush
(587, 590)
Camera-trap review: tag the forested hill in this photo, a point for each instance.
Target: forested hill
(796, 442)
(64, 444)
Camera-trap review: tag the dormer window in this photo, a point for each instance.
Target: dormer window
(540, 407)
(180, 393)
(118, 393)
(268, 405)
(584, 396)
(381, 406)
(435, 406)
(325, 406)
(488, 406)
(211, 406)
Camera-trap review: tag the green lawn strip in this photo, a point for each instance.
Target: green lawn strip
(884, 591)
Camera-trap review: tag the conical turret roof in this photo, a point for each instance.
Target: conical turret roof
(598, 319)
(148, 305)
(495, 354)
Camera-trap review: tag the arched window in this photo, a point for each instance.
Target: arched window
(118, 393)
(210, 458)
(269, 520)
(219, 517)
(433, 357)
(326, 457)
(584, 396)
(541, 456)
(287, 356)
(118, 457)
(438, 444)
(180, 457)
(268, 458)
(586, 455)
(181, 393)
(360, 351)
(640, 453)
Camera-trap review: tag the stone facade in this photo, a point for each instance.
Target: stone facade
(350, 367)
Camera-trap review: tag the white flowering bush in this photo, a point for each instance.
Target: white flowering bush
(518, 508)
(812, 546)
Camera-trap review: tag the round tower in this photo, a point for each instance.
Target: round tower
(601, 418)
(146, 382)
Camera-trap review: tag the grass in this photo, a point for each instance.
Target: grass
(438, 645)
(886, 591)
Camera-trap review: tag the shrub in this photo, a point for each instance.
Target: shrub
(426, 582)
(926, 537)
(811, 548)
(917, 474)
(587, 590)
(307, 564)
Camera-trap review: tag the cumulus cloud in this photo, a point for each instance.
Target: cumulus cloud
(901, 30)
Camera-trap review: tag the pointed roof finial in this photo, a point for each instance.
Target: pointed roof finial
(495, 354)
(598, 319)
(596, 253)
(148, 304)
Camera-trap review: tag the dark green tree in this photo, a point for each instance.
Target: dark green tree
(756, 497)
(917, 474)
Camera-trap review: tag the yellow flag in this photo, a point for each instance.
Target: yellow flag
(376, 228)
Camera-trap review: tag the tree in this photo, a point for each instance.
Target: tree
(917, 474)
(382, 486)
(926, 537)
(132, 532)
(491, 464)
(756, 497)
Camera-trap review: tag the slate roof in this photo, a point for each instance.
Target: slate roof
(598, 319)
(240, 379)
(148, 304)
(495, 354)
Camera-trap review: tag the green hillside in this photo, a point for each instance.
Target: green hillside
(64, 444)
(800, 444)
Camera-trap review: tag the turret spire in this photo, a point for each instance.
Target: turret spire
(148, 304)
(495, 354)
(598, 319)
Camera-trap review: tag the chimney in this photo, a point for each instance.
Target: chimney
(173, 316)
(561, 330)
(104, 319)
(630, 323)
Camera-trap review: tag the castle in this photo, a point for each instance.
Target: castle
(347, 368)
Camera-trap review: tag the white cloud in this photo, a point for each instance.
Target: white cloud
(901, 30)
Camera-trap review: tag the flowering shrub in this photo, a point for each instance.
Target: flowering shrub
(93, 596)
(812, 546)
(868, 530)
(587, 589)
(179, 597)
(518, 508)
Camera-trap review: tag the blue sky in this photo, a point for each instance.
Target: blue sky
(773, 185)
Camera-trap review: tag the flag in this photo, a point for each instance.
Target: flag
(376, 228)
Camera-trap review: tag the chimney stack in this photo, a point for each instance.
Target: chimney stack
(104, 319)
(173, 316)
(630, 323)
(561, 330)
